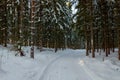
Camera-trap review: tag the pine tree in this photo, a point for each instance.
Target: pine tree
(83, 21)
(3, 21)
(117, 18)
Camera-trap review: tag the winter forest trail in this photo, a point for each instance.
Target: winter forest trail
(67, 67)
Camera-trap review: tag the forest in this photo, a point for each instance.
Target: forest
(94, 25)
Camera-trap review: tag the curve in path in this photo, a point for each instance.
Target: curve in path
(71, 62)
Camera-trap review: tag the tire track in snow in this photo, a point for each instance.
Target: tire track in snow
(45, 70)
(88, 71)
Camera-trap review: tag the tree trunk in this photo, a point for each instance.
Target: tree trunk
(32, 52)
(92, 32)
(5, 32)
(32, 28)
(119, 44)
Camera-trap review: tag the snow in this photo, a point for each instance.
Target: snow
(64, 65)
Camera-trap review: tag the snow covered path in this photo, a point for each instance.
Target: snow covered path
(68, 67)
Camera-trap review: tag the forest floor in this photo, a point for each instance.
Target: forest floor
(64, 65)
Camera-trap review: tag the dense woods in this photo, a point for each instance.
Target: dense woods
(51, 23)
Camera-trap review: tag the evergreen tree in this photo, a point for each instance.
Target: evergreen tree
(3, 21)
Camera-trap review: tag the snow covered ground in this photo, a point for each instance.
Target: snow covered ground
(63, 65)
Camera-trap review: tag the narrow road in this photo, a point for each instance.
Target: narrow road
(67, 67)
